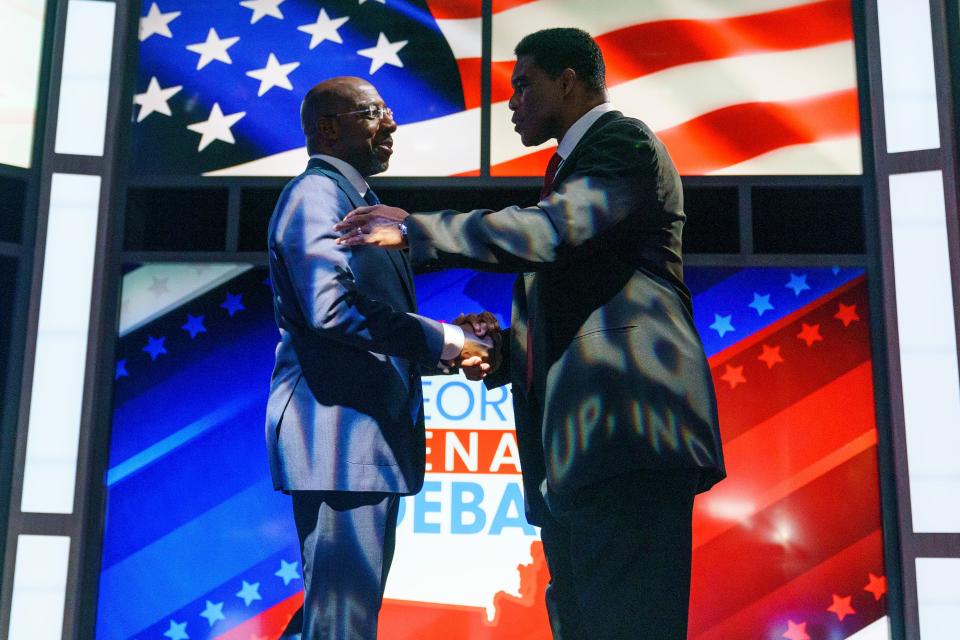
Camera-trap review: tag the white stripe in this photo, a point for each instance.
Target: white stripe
(840, 156)
(465, 37)
(450, 145)
(439, 147)
(21, 35)
(152, 290)
(601, 16)
(671, 97)
(876, 630)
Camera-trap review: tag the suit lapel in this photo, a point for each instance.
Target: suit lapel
(319, 166)
(571, 161)
(396, 258)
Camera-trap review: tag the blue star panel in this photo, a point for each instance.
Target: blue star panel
(196, 541)
(426, 86)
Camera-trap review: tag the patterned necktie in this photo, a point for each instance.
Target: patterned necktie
(551, 173)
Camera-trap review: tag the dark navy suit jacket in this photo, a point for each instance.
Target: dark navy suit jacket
(620, 380)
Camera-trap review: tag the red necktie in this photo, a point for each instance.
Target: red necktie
(551, 173)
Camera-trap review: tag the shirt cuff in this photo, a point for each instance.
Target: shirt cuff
(452, 341)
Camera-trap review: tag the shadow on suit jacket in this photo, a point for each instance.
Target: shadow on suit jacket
(621, 382)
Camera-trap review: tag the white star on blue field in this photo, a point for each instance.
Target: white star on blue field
(213, 612)
(761, 303)
(233, 303)
(155, 347)
(249, 592)
(797, 283)
(721, 324)
(194, 325)
(287, 572)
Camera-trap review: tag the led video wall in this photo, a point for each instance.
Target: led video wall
(198, 545)
(749, 87)
(21, 45)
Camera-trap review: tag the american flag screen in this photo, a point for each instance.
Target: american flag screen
(198, 545)
(732, 86)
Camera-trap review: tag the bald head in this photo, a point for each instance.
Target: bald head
(330, 127)
(335, 95)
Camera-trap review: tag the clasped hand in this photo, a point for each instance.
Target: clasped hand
(481, 352)
(378, 225)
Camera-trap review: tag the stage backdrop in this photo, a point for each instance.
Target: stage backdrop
(197, 544)
(21, 46)
(732, 86)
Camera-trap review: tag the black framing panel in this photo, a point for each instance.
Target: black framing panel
(86, 523)
(46, 161)
(911, 545)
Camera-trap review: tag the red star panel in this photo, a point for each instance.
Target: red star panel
(841, 606)
(877, 586)
(796, 631)
(733, 376)
(810, 334)
(770, 356)
(847, 314)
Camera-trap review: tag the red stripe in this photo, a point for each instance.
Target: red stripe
(500, 87)
(804, 599)
(503, 5)
(470, 81)
(804, 369)
(757, 337)
(454, 9)
(638, 50)
(463, 9)
(734, 134)
(821, 519)
(269, 623)
(532, 164)
(805, 440)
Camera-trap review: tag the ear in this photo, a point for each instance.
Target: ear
(328, 129)
(568, 80)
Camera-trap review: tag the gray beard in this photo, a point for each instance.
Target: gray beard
(372, 166)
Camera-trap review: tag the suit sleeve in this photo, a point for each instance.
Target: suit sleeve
(615, 177)
(501, 376)
(328, 300)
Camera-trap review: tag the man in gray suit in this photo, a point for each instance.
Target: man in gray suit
(615, 409)
(345, 429)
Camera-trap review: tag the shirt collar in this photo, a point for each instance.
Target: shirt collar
(575, 132)
(348, 172)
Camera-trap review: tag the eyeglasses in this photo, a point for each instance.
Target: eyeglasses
(370, 112)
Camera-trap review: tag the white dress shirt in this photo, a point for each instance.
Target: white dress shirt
(575, 133)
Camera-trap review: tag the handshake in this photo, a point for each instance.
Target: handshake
(482, 342)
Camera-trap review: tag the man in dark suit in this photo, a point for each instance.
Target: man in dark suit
(345, 429)
(615, 408)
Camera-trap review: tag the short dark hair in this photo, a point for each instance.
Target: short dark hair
(554, 50)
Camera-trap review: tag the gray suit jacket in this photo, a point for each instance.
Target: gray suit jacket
(620, 379)
(345, 410)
